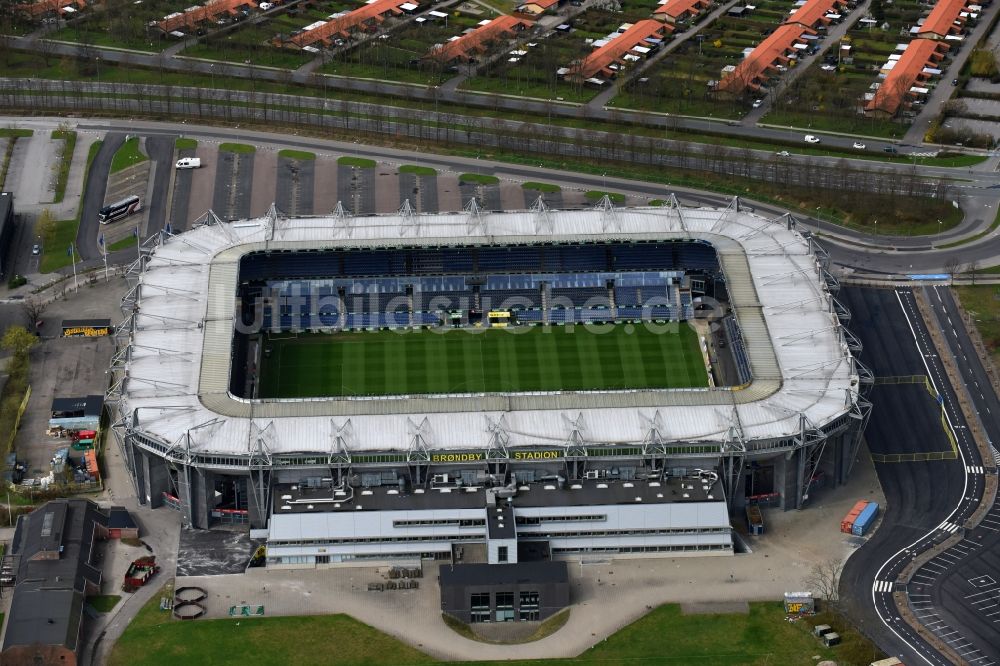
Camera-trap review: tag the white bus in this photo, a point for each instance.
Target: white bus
(120, 209)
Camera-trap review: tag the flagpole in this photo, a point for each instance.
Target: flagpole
(138, 247)
(105, 249)
(72, 254)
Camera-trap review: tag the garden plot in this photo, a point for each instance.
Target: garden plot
(681, 82)
(530, 70)
(255, 42)
(123, 29)
(400, 55)
(829, 95)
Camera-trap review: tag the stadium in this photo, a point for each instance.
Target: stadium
(529, 384)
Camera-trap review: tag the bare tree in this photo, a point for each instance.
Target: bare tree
(824, 581)
(33, 308)
(951, 266)
(972, 268)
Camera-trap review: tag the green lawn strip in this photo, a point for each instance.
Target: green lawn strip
(972, 239)
(658, 202)
(128, 155)
(154, 638)
(69, 146)
(241, 148)
(478, 178)
(616, 197)
(54, 252)
(359, 162)
(417, 170)
(15, 133)
(760, 637)
(541, 187)
(492, 360)
(104, 603)
(301, 155)
(982, 302)
(184, 143)
(123, 244)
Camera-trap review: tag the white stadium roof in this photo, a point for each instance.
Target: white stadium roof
(176, 372)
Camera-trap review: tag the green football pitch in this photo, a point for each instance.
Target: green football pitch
(540, 358)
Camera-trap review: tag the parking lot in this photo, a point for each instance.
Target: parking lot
(239, 185)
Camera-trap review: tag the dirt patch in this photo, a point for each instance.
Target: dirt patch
(715, 607)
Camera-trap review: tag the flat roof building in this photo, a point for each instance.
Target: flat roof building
(53, 560)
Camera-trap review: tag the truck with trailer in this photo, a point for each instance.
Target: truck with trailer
(847, 524)
(865, 519)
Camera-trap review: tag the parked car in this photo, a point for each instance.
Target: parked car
(188, 163)
(757, 103)
(810, 138)
(890, 149)
(859, 145)
(954, 82)
(36, 249)
(783, 153)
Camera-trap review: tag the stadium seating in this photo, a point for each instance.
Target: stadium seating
(739, 351)
(377, 287)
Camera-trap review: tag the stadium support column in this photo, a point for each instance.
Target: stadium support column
(155, 479)
(258, 512)
(195, 489)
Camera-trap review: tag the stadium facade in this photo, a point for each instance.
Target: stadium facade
(332, 480)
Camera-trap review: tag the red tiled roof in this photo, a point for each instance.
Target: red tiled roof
(542, 4)
(812, 14)
(192, 17)
(908, 70)
(597, 62)
(774, 49)
(941, 20)
(45, 6)
(475, 41)
(343, 25)
(676, 8)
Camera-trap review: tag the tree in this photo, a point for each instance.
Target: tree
(17, 340)
(824, 580)
(951, 266)
(33, 309)
(45, 227)
(972, 268)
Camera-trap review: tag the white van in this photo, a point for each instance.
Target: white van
(188, 163)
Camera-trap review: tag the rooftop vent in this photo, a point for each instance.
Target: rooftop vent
(286, 497)
(418, 491)
(602, 485)
(638, 499)
(628, 485)
(286, 507)
(654, 484)
(549, 487)
(576, 486)
(309, 506)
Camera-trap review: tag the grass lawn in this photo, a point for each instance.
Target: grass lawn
(417, 170)
(155, 639)
(128, 155)
(123, 244)
(184, 143)
(761, 637)
(300, 155)
(360, 162)
(69, 146)
(540, 187)
(15, 133)
(55, 251)
(104, 603)
(242, 148)
(537, 358)
(616, 197)
(478, 178)
(984, 301)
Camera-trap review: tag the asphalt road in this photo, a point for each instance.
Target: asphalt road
(160, 150)
(93, 196)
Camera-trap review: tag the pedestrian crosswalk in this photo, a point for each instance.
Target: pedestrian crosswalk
(948, 527)
(996, 456)
(975, 469)
(884, 585)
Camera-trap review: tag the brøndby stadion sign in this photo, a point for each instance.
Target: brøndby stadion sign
(474, 456)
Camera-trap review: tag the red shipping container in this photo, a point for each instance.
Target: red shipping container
(848, 522)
